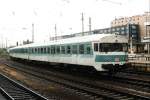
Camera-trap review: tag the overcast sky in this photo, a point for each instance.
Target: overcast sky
(17, 16)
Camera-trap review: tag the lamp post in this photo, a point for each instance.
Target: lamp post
(148, 47)
(130, 36)
(147, 26)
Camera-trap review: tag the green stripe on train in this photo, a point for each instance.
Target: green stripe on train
(110, 58)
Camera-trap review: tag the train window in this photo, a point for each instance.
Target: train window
(68, 49)
(100, 47)
(58, 49)
(35, 50)
(41, 50)
(38, 50)
(125, 47)
(53, 50)
(48, 50)
(44, 50)
(74, 49)
(95, 46)
(81, 48)
(22, 50)
(88, 49)
(113, 47)
(62, 49)
(31, 50)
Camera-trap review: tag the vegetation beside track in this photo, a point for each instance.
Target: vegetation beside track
(3, 53)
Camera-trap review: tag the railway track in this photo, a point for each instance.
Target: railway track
(15, 91)
(100, 90)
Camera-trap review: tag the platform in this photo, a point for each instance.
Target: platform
(140, 62)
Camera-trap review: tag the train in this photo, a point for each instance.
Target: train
(102, 52)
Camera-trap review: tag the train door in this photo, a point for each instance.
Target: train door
(96, 48)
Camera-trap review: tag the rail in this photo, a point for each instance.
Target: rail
(98, 89)
(15, 91)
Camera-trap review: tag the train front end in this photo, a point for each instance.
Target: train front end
(111, 55)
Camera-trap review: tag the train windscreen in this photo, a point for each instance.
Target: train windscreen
(113, 47)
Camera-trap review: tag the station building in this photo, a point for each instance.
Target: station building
(126, 30)
(143, 22)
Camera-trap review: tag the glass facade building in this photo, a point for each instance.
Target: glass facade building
(126, 30)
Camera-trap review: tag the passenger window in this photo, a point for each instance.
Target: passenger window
(48, 50)
(35, 50)
(63, 49)
(53, 50)
(44, 50)
(81, 49)
(95, 46)
(68, 50)
(41, 50)
(58, 50)
(32, 50)
(88, 49)
(38, 50)
(74, 49)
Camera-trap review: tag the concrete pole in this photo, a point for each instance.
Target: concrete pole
(32, 32)
(55, 32)
(90, 25)
(82, 19)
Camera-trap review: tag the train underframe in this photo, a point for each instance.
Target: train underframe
(110, 68)
(114, 68)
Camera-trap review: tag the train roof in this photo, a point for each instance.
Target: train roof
(103, 38)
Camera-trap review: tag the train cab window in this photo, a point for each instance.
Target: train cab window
(113, 47)
(125, 47)
(58, 49)
(74, 49)
(81, 49)
(62, 49)
(68, 49)
(95, 46)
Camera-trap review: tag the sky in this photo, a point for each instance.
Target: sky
(17, 17)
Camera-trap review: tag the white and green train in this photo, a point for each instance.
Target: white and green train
(101, 51)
